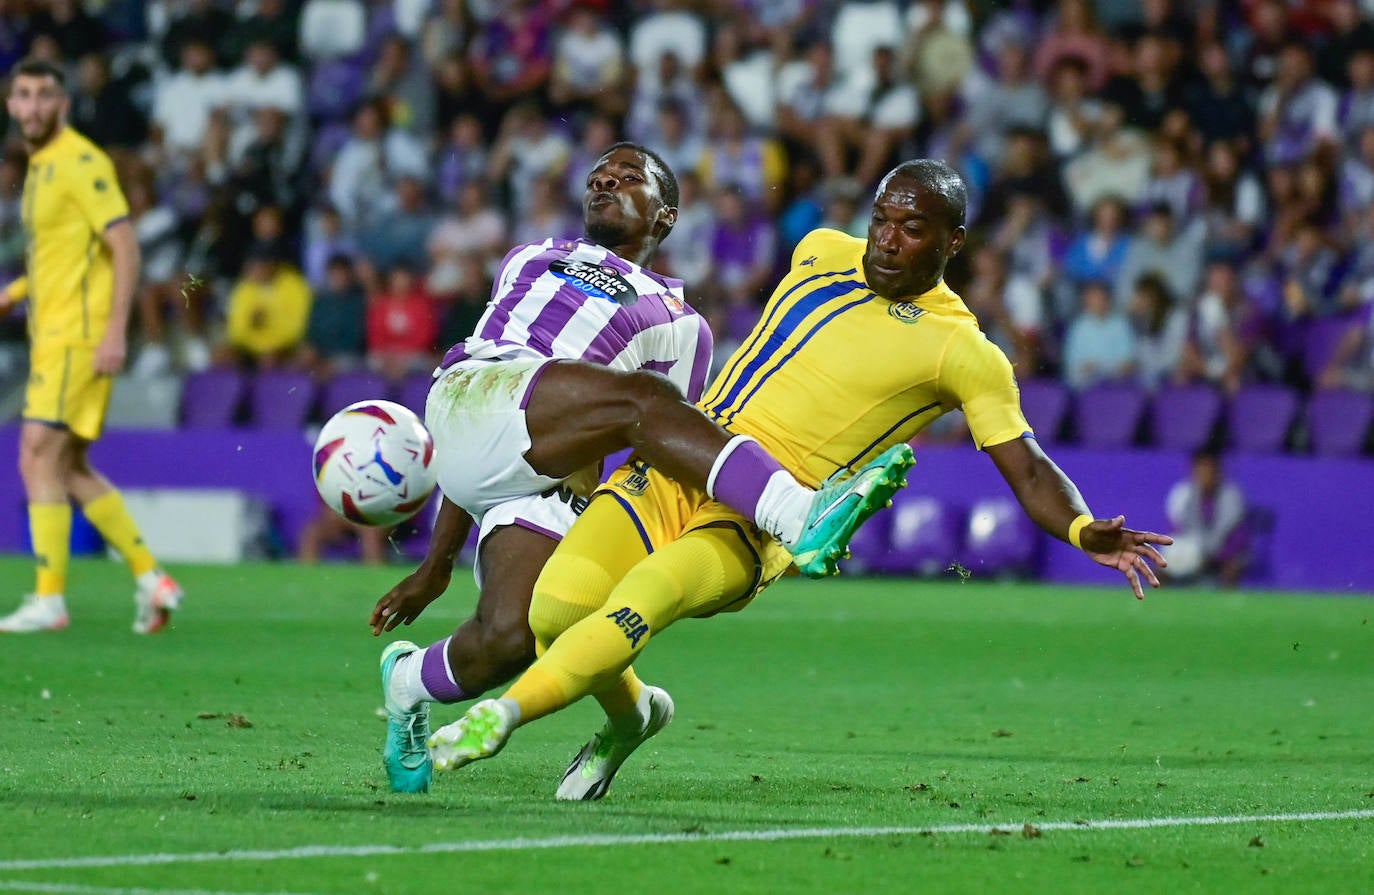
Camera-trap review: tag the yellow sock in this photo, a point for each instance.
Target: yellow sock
(51, 527)
(697, 574)
(622, 697)
(111, 518)
(537, 693)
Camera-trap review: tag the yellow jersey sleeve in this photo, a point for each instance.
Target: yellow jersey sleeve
(95, 191)
(977, 375)
(18, 290)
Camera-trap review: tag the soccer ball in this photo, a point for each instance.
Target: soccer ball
(373, 463)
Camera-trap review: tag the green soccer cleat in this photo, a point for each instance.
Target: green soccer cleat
(591, 772)
(480, 733)
(407, 762)
(841, 506)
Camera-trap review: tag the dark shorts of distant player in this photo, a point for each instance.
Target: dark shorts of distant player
(65, 391)
(664, 510)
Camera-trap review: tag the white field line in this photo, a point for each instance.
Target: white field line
(610, 839)
(71, 889)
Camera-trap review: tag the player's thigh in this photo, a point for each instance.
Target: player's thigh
(510, 560)
(700, 573)
(595, 556)
(65, 390)
(476, 413)
(577, 413)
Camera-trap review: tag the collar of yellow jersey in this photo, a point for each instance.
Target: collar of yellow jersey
(54, 146)
(940, 299)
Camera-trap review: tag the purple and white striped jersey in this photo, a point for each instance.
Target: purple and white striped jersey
(573, 299)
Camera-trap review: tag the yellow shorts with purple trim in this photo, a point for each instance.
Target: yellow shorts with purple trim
(664, 510)
(64, 390)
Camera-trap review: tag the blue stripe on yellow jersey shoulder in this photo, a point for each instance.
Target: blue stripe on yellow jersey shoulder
(772, 312)
(774, 332)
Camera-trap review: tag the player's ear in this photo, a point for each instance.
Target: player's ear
(956, 240)
(664, 221)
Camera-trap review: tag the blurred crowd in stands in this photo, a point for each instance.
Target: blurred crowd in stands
(1161, 191)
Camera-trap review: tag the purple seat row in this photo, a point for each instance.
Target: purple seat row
(286, 399)
(1259, 419)
(924, 536)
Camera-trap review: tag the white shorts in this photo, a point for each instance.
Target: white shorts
(476, 413)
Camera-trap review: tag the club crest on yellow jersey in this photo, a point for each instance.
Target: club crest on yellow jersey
(905, 311)
(636, 481)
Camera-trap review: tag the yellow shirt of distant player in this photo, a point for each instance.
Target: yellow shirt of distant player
(71, 197)
(833, 373)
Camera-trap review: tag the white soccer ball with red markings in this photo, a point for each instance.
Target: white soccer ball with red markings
(374, 463)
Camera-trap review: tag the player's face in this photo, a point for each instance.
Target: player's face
(39, 104)
(622, 203)
(909, 240)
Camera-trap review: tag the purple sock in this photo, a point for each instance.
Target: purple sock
(437, 677)
(740, 474)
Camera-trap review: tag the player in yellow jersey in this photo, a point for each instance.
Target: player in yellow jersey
(82, 267)
(861, 346)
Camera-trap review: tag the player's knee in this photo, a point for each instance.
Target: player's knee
(39, 460)
(508, 647)
(569, 588)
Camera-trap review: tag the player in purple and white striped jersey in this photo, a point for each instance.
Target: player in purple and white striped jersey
(582, 352)
(577, 300)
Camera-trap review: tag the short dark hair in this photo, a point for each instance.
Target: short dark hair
(1209, 452)
(938, 178)
(667, 180)
(40, 68)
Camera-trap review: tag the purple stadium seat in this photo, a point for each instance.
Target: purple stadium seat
(281, 399)
(1001, 538)
(1108, 415)
(1320, 341)
(349, 388)
(413, 392)
(211, 398)
(1045, 402)
(1185, 416)
(924, 537)
(869, 544)
(1259, 417)
(1338, 421)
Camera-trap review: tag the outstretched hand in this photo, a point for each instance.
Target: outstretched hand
(1130, 552)
(405, 601)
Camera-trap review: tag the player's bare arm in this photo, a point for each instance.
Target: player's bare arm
(119, 237)
(1053, 502)
(404, 602)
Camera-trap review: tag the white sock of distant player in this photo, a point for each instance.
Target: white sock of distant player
(747, 479)
(149, 579)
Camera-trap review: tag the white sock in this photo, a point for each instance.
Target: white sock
(783, 507)
(512, 709)
(149, 579)
(407, 687)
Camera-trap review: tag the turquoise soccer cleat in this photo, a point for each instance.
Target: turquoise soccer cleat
(841, 506)
(407, 762)
(480, 733)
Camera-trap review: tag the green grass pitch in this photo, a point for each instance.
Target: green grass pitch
(945, 709)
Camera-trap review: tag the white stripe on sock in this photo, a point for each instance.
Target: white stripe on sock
(724, 455)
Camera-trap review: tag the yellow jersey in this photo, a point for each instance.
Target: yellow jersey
(71, 197)
(265, 318)
(833, 373)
